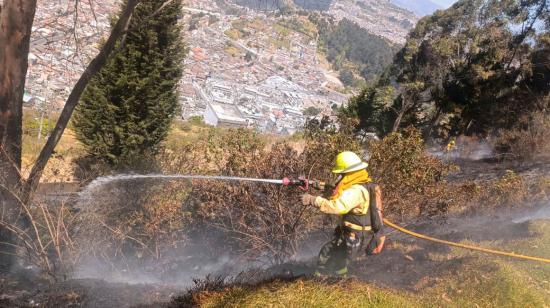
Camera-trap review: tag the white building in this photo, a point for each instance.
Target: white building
(293, 111)
(225, 115)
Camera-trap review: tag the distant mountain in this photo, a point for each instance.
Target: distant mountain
(379, 17)
(419, 7)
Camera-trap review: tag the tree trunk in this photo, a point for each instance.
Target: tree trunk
(400, 114)
(433, 122)
(74, 97)
(16, 19)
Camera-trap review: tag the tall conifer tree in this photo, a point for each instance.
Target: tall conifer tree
(126, 110)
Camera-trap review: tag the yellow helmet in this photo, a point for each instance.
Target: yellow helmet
(348, 162)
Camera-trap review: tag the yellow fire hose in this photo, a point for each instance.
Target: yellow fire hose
(485, 250)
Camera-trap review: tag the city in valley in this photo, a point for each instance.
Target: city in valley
(245, 67)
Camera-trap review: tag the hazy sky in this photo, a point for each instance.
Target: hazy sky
(444, 3)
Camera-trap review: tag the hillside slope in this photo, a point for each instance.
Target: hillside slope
(410, 274)
(381, 18)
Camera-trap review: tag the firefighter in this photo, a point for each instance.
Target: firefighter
(450, 146)
(358, 202)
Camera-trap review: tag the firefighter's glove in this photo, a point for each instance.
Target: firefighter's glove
(319, 185)
(308, 199)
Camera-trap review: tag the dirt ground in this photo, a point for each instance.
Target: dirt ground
(19, 292)
(409, 263)
(412, 264)
(406, 263)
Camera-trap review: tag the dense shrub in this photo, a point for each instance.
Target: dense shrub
(528, 140)
(346, 43)
(400, 163)
(253, 221)
(132, 221)
(266, 222)
(127, 108)
(259, 221)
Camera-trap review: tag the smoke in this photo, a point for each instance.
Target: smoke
(183, 264)
(481, 150)
(132, 271)
(467, 148)
(541, 213)
(94, 188)
(105, 207)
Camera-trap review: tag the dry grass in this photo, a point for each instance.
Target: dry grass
(304, 293)
(46, 242)
(61, 166)
(529, 140)
(406, 172)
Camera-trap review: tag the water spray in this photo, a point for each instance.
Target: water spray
(304, 184)
(299, 182)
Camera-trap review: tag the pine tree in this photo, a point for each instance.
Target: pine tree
(127, 108)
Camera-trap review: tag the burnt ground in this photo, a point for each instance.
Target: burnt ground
(409, 263)
(406, 263)
(20, 292)
(490, 168)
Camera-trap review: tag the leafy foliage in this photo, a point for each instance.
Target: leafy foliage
(260, 221)
(527, 140)
(285, 5)
(401, 165)
(317, 5)
(31, 123)
(347, 78)
(349, 46)
(372, 107)
(268, 5)
(311, 111)
(475, 67)
(126, 110)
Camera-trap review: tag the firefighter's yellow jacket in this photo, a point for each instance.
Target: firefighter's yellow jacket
(354, 199)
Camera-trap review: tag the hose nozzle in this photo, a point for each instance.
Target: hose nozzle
(295, 182)
(304, 183)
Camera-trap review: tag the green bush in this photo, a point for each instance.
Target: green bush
(312, 111)
(31, 123)
(196, 120)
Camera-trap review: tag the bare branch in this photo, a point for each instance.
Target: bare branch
(75, 23)
(73, 99)
(90, 2)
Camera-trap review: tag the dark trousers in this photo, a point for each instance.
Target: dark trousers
(344, 246)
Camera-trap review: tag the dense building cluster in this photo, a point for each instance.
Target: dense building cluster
(62, 44)
(255, 68)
